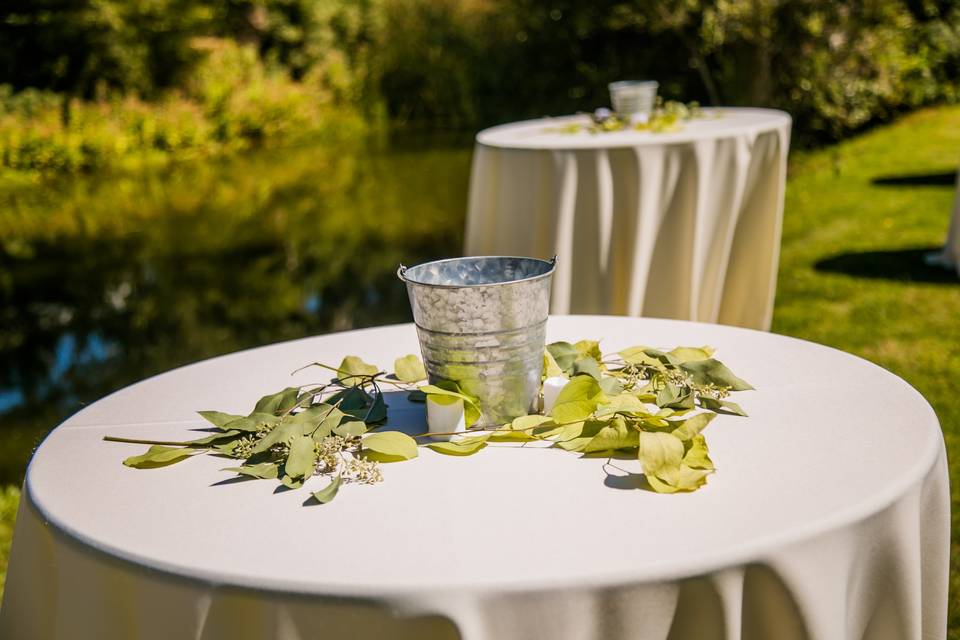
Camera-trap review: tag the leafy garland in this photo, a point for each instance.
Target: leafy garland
(666, 117)
(649, 403)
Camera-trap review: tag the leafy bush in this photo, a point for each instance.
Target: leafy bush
(231, 100)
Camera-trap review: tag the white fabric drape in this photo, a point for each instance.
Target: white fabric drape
(950, 255)
(822, 526)
(682, 226)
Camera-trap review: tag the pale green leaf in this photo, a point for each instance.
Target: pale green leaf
(697, 456)
(563, 354)
(329, 492)
(687, 429)
(691, 354)
(462, 447)
(577, 400)
(409, 369)
(302, 459)
(277, 403)
(615, 435)
(263, 470)
(722, 406)
(589, 349)
(160, 456)
(638, 355)
(471, 409)
(550, 367)
(390, 445)
(586, 366)
(252, 423)
(353, 371)
(714, 372)
(660, 455)
(218, 418)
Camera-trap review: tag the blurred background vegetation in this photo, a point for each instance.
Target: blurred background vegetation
(91, 83)
(185, 178)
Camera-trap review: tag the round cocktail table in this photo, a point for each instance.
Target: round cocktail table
(828, 517)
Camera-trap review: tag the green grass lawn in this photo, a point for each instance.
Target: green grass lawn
(851, 274)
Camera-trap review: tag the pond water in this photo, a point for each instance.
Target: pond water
(107, 280)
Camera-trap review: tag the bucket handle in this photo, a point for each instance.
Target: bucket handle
(401, 272)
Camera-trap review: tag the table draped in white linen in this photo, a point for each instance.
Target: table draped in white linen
(828, 518)
(682, 224)
(949, 256)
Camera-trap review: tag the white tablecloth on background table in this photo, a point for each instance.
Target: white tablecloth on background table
(950, 255)
(828, 518)
(678, 225)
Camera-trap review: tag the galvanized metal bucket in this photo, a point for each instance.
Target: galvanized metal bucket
(481, 323)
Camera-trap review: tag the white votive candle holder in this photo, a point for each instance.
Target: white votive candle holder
(551, 389)
(445, 417)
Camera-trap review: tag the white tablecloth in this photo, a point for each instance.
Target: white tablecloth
(950, 255)
(828, 518)
(677, 225)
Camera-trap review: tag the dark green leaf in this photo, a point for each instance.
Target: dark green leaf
(216, 437)
(277, 403)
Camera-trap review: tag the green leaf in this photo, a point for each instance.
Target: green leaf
(351, 399)
(218, 418)
(625, 403)
(390, 446)
(409, 369)
(302, 460)
(691, 354)
(587, 366)
(252, 423)
(264, 470)
(660, 455)
(328, 493)
(462, 447)
(611, 386)
(291, 483)
(277, 403)
(638, 355)
(350, 428)
(417, 396)
(689, 428)
(721, 406)
(352, 371)
(159, 456)
(615, 435)
(697, 456)
(714, 372)
(688, 479)
(564, 354)
(216, 437)
(550, 367)
(471, 410)
(285, 432)
(577, 400)
(589, 349)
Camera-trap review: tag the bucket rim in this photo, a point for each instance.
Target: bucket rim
(402, 271)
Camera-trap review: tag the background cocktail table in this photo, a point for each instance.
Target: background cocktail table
(828, 518)
(679, 225)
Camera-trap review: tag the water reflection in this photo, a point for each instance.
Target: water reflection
(105, 281)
